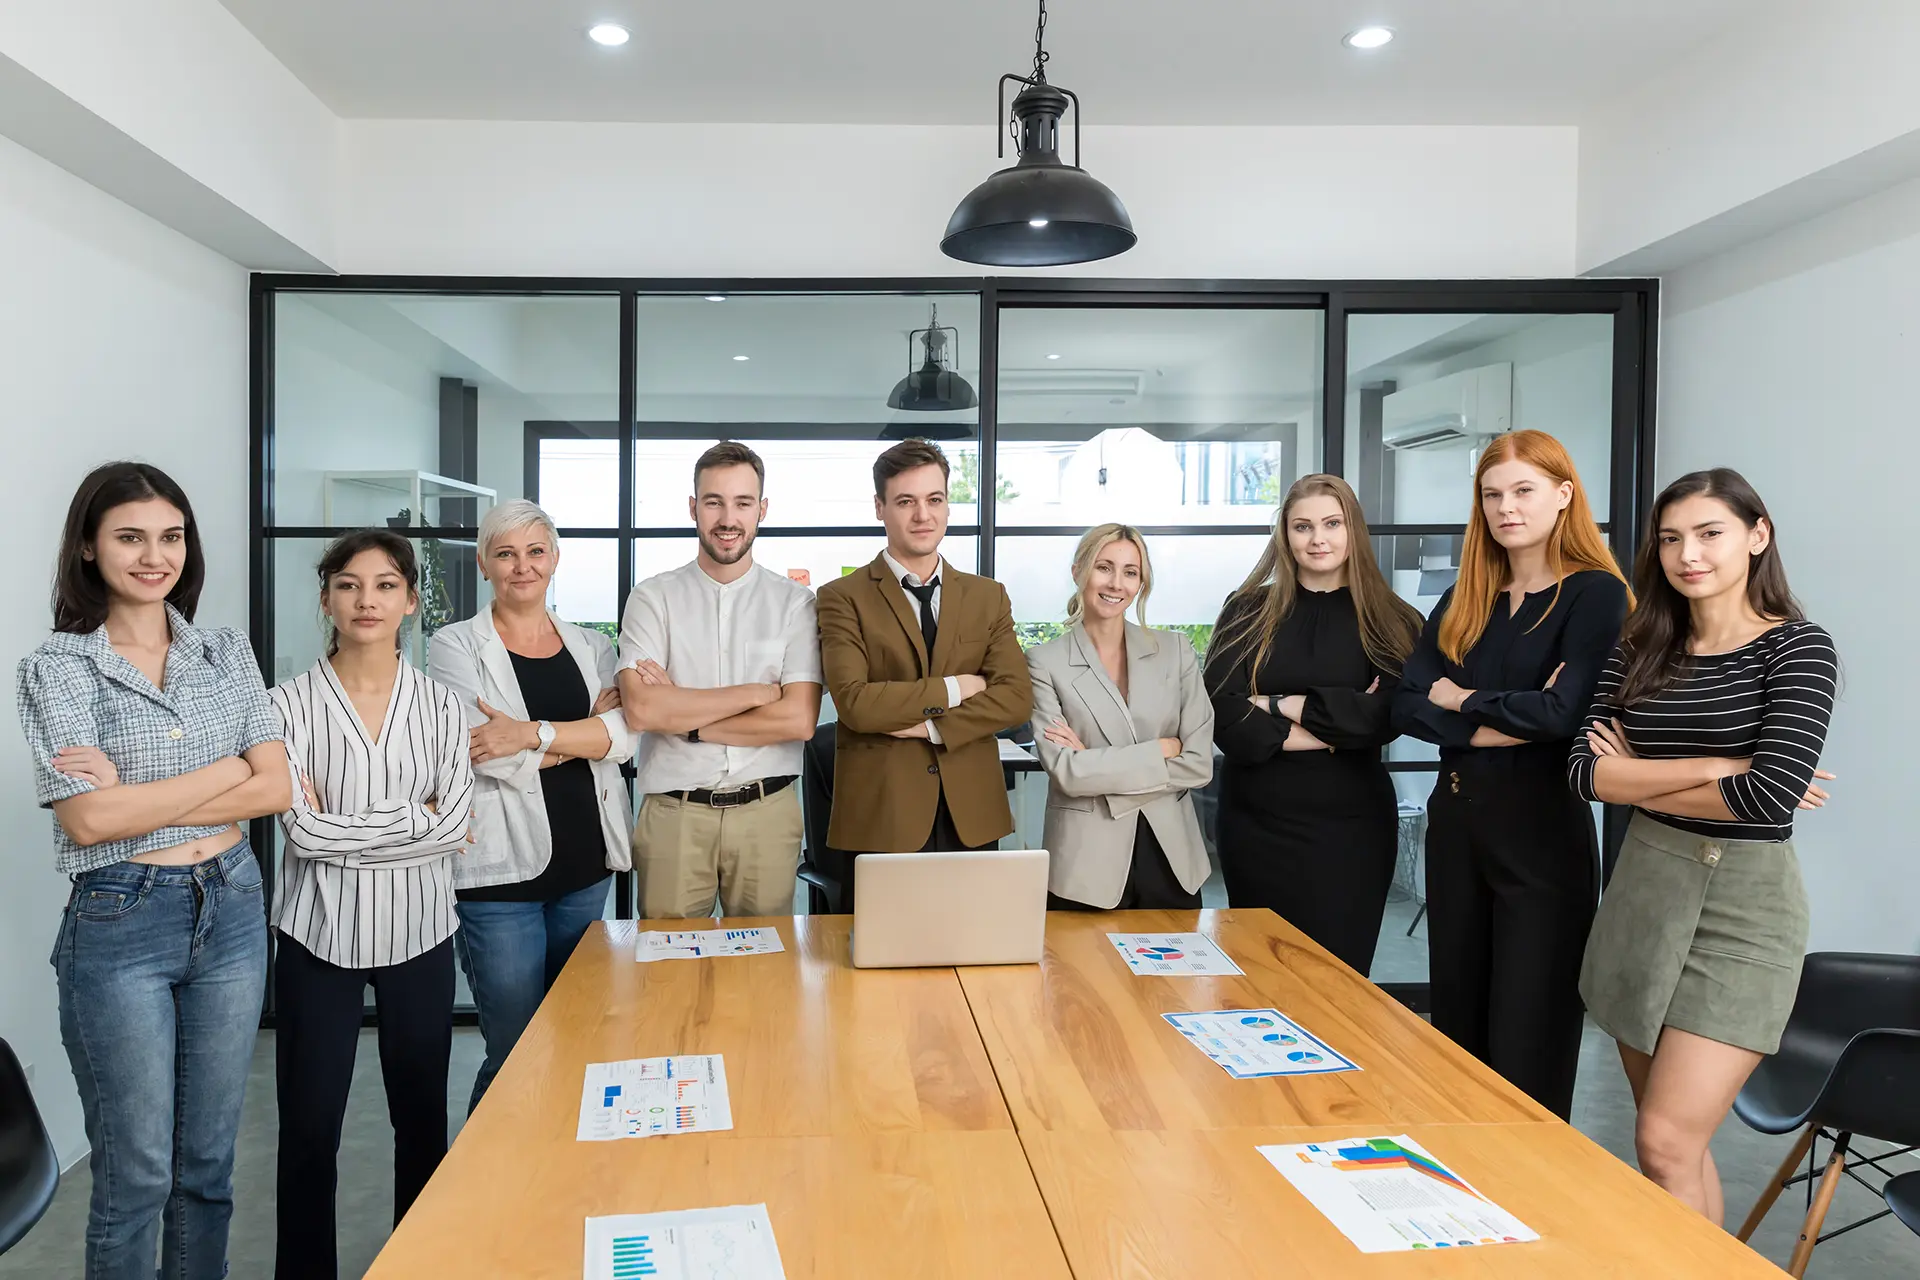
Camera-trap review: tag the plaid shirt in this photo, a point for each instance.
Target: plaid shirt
(75, 691)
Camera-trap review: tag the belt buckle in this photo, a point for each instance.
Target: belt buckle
(735, 798)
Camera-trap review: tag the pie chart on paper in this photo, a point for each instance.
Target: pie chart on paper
(1161, 953)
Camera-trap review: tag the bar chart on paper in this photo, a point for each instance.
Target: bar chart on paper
(734, 1243)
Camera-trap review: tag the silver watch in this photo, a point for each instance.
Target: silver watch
(544, 730)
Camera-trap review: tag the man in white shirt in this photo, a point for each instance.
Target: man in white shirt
(720, 672)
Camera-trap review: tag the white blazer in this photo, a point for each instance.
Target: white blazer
(511, 839)
(1096, 797)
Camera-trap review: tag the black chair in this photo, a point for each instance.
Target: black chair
(29, 1168)
(1848, 1067)
(823, 870)
(1903, 1197)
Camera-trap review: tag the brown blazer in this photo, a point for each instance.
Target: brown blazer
(886, 789)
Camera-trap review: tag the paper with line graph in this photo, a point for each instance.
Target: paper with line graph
(1389, 1195)
(735, 1243)
(642, 1097)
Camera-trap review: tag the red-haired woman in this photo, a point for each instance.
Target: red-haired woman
(1501, 680)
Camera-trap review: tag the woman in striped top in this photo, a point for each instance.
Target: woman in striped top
(365, 891)
(1709, 719)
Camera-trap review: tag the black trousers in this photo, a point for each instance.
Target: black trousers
(317, 1011)
(1512, 885)
(1151, 884)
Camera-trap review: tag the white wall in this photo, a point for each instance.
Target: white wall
(122, 339)
(499, 198)
(1790, 360)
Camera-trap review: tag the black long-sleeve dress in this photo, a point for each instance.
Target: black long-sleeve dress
(1513, 868)
(1310, 834)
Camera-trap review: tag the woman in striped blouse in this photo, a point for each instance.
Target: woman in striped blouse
(1709, 719)
(365, 892)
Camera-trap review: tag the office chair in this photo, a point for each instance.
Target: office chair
(1848, 1067)
(823, 870)
(29, 1168)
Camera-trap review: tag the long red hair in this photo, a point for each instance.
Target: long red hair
(1575, 543)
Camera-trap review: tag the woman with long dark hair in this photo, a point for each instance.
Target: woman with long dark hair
(1503, 674)
(365, 895)
(1302, 670)
(152, 741)
(1709, 720)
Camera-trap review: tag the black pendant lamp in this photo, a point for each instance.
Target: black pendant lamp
(934, 387)
(1042, 212)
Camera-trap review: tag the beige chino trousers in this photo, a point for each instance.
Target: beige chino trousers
(687, 854)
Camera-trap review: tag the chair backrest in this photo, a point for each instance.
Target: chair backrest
(816, 795)
(1874, 1090)
(1843, 993)
(29, 1167)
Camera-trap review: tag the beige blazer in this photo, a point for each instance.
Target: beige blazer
(1096, 797)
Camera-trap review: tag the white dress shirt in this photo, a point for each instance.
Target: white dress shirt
(761, 628)
(899, 571)
(367, 880)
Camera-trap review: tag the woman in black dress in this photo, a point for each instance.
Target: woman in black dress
(1501, 680)
(1302, 669)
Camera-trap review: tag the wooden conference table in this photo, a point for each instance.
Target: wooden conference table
(1030, 1122)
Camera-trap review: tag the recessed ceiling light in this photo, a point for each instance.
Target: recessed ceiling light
(610, 34)
(1054, 356)
(1037, 222)
(740, 357)
(716, 297)
(1368, 37)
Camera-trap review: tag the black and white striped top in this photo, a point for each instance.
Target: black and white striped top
(1769, 700)
(369, 881)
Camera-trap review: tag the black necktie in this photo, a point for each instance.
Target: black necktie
(929, 628)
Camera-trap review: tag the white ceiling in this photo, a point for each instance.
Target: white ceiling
(920, 62)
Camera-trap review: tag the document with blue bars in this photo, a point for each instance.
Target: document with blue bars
(734, 1243)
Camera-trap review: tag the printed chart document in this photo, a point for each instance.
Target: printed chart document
(1388, 1195)
(1255, 1043)
(1172, 955)
(735, 1243)
(698, 944)
(642, 1097)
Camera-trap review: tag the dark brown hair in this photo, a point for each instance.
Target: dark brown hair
(1389, 626)
(729, 453)
(1661, 625)
(341, 551)
(80, 595)
(904, 457)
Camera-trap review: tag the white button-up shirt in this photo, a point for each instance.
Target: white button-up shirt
(761, 628)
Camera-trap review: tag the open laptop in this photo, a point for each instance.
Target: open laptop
(983, 907)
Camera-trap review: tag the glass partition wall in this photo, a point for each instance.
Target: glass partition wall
(1186, 408)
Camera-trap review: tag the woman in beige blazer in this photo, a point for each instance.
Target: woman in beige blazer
(1125, 734)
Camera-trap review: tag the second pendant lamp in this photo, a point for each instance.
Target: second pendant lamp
(1042, 212)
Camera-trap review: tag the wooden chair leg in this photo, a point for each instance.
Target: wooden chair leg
(1822, 1201)
(1774, 1188)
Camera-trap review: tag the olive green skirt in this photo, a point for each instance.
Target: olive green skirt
(1701, 934)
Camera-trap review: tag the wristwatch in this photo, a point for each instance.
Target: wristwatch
(693, 735)
(1273, 704)
(544, 731)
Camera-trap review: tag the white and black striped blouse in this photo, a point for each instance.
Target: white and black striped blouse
(1769, 700)
(369, 880)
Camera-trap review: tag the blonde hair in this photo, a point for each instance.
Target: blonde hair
(512, 515)
(1575, 544)
(1389, 626)
(1092, 543)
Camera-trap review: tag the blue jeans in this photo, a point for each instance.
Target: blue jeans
(511, 952)
(161, 973)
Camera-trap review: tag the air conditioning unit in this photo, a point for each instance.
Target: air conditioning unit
(1458, 411)
(1111, 386)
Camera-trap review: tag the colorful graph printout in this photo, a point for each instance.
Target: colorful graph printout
(700, 944)
(734, 1243)
(644, 1097)
(1390, 1195)
(1251, 1044)
(1172, 955)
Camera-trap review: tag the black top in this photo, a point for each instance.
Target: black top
(553, 690)
(1508, 669)
(1769, 700)
(1316, 652)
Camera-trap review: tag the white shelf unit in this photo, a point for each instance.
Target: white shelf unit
(418, 488)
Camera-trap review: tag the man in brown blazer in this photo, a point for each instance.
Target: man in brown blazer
(924, 670)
